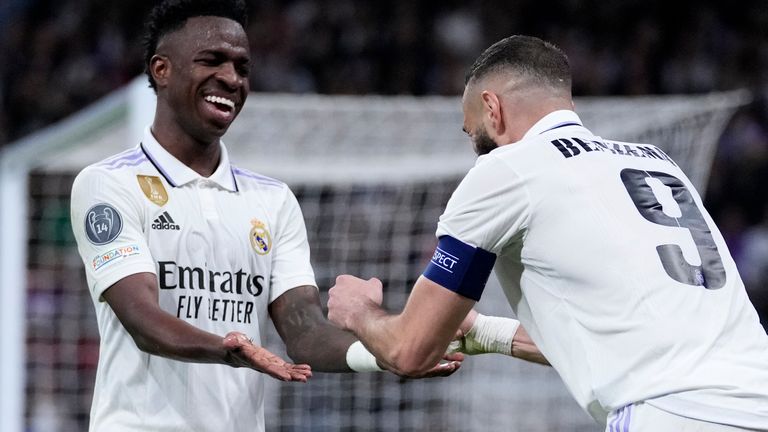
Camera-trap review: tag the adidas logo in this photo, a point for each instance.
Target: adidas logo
(165, 222)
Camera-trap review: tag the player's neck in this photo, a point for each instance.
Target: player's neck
(520, 125)
(201, 156)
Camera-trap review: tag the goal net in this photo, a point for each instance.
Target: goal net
(372, 175)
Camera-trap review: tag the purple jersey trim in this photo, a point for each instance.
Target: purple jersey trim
(126, 156)
(234, 179)
(621, 420)
(259, 178)
(128, 163)
(559, 125)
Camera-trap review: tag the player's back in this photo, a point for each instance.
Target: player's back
(625, 282)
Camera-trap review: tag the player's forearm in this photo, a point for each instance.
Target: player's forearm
(162, 334)
(525, 349)
(133, 299)
(324, 347)
(372, 327)
(410, 343)
(490, 334)
(396, 348)
(528, 352)
(309, 337)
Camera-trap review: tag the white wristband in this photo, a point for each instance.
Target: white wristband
(359, 359)
(489, 334)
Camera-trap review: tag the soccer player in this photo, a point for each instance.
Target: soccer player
(187, 255)
(605, 253)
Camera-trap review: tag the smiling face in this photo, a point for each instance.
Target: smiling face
(201, 71)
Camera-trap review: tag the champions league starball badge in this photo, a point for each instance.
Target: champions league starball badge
(261, 241)
(102, 224)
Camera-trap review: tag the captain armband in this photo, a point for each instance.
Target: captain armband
(462, 268)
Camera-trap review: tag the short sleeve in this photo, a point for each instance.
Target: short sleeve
(107, 223)
(489, 209)
(291, 265)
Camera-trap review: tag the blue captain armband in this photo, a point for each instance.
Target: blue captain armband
(461, 268)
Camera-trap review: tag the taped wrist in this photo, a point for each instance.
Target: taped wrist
(490, 334)
(359, 359)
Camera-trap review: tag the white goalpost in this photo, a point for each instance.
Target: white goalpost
(372, 175)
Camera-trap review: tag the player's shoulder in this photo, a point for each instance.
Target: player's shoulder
(492, 170)
(124, 162)
(114, 172)
(249, 180)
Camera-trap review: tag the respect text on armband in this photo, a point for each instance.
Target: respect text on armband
(199, 303)
(571, 147)
(444, 260)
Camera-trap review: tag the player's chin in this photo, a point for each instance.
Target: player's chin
(219, 126)
(217, 122)
(212, 131)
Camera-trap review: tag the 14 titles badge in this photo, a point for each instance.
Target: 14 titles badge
(261, 241)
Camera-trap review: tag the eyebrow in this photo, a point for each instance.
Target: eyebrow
(224, 52)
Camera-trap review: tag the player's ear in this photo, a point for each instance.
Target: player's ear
(160, 68)
(492, 113)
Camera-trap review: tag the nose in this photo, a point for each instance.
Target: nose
(229, 76)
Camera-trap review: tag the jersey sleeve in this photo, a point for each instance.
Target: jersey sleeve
(489, 209)
(486, 212)
(291, 265)
(107, 223)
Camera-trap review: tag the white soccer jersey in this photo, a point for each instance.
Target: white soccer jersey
(222, 247)
(611, 263)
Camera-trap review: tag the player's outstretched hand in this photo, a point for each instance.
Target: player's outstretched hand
(451, 365)
(352, 295)
(245, 353)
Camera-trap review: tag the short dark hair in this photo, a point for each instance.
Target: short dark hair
(171, 15)
(527, 55)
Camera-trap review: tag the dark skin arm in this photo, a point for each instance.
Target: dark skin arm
(134, 299)
(310, 338)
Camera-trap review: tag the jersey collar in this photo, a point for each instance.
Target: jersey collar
(178, 174)
(553, 120)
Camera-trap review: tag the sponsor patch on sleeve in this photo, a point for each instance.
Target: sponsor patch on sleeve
(102, 260)
(103, 224)
(462, 268)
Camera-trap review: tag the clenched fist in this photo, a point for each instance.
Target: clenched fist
(350, 296)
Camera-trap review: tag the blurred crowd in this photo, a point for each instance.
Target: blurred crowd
(60, 55)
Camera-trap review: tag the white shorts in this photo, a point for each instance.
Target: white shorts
(641, 417)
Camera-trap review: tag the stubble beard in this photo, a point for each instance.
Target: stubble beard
(483, 143)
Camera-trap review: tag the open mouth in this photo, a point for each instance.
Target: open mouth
(221, 102)
(221, 107)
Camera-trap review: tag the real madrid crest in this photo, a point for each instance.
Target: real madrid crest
(153, 189)
(261, 241)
